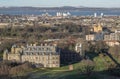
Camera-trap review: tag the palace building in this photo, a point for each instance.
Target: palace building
(44, 55)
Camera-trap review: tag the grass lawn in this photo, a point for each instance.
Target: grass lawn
(60, 73)
(64, 73)
(50, 74)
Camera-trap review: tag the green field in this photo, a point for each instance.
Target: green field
(57, 74)
(64, 72)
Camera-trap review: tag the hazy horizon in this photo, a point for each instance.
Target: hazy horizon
(60, 3)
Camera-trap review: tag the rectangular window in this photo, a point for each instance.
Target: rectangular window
(36, 58)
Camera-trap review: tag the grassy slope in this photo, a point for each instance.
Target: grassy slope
(64, 73)
(50, 74)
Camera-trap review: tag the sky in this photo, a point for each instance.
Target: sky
(58, 3)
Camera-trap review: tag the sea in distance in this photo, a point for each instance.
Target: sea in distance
(53, 13)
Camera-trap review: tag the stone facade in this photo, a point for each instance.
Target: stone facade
(90, 37)
(44, 55)
(112, 43)
(97, 28)
(78, 48)
(112, 36)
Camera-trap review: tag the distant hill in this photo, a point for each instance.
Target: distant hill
(67, 8)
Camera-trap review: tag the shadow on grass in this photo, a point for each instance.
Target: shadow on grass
(90, 55)
(112, 58)
(15, 77)
(76, 74)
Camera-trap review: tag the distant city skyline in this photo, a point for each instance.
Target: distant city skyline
(59, 3)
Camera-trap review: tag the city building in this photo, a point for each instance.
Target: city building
(90, 37)
(97, 28)
(101, 15)
(32, 18)
(44, 55)
(112, 43)
(106, 37)
(95, 37)
(78, 49)
(117, 31)
(63, 14)
(99, 36)
(95, 14)
(112, 36)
